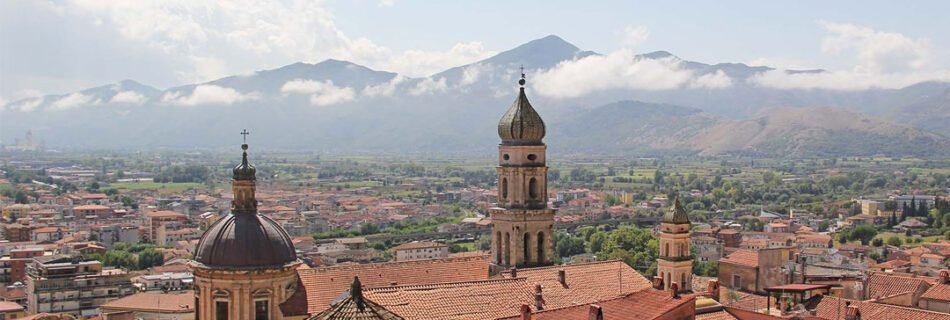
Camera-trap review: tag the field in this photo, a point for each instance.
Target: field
(163, 188)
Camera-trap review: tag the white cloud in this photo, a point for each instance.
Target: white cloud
(209, 94)
(429, 86)
(384, 89)
(387, 3)
(27, 105)
(210, 39)
(617, 70)
(130, 97)
(881, 60)
(322, 93)
(634, 36)
(73, 100)
(715, 80)
(3, 103)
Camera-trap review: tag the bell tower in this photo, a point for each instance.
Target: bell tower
(675, 264)
(522, 223)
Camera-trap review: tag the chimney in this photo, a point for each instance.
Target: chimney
(852, 313)
(658, 283)
(713, 289)
(945, 276)
(595, 313)
(538, 298)
(562, 277)
(674, 290)
(514, 272)
(525, 312)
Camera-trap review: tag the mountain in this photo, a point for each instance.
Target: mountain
(340, 106)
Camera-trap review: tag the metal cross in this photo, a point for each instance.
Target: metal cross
(245, 133)
(522, 71)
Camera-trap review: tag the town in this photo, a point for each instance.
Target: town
(116, 235)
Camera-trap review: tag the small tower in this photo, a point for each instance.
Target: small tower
(675, 264)
(522, 223)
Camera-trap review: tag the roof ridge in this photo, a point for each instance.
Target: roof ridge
(567, 265)
(446, 284)
(390, 263)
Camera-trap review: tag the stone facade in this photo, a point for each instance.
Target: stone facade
(243, 294)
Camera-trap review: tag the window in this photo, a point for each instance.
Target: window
(260, 310)
(221, 310)
(504, 188)
(505, 157)
(532, 157)
(736, 281)
(533, 188)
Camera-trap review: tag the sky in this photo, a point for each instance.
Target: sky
(49, 47)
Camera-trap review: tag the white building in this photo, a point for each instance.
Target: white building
(421, 250)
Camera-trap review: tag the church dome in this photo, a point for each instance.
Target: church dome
(521, 125)
(245, 241)
(676, 215)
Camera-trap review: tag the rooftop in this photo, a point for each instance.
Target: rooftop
(179, 302)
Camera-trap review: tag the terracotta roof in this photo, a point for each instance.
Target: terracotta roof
(178, 302)
(746, 258)
(488, 299)
(7, 306)
(322, 285)
(91, 207)
(164, 214)
(642, 305)
(585, 283)
(881, 285)
(355, 306)
(939, 292)
(834, 308)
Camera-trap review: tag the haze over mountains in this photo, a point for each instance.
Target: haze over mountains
(678, 106)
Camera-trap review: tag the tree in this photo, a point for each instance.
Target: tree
(369, 228)
(894, 241)
(567, 245)
(877, 242)
(149, 258)
(864, 233)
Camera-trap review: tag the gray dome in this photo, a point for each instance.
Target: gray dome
(245, 241)
(521, 125)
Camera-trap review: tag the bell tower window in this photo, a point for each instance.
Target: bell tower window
(504, 188)
(533, 188)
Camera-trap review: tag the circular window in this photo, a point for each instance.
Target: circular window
(505, 157)
(532, 157)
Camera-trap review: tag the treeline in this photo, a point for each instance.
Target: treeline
(187, 173)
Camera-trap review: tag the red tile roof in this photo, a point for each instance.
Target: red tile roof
(585, 283)
(834, 308)
(322, 285)
(940, 292)
(746, 258)
(883, 285)
(178, 302)
(643, 305)
(489, 299)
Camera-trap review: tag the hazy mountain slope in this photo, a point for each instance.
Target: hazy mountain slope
(932, 112)
(817, 131)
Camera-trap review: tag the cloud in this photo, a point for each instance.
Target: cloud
(73, 100)
(322, 93)
(130, 97)
(417, 63)
(473, 72)
(881, 59)
(387, 3)
(209, 94)
(634, 36)
(429, 86)
(384, 89)
(617, 70)
(27, 105)
(715, 80)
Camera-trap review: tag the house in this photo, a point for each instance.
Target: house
(754, 270)
(937, 298)
(153, 305)
(420, 250)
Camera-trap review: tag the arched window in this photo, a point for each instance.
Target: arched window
(540, 257)
(666, 251)
(682, 281)
(507, 248)
(504, 188)
(498, 247)
(527, 248)
(533, 188)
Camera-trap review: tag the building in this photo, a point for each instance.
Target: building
(754, 270)
(245, 263)
(522, 222)
(111, 234)
(13, 266)
(160, 222)
(67, 284)
(153, 306)
(420, 250)
(166, 281)
(937, 298)
(675, 264)
(11, 310)
(871, 207)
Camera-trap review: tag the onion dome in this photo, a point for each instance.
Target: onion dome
(245, 171)
(521, 125)
(676, 215)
